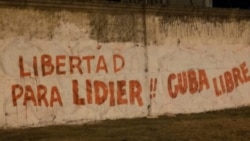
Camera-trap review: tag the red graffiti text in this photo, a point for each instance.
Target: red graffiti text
(98, 92)
(230, 80)
(46, 65)
(191, 81)
(37, 97)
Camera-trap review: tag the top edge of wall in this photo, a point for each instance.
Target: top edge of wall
(125, 8)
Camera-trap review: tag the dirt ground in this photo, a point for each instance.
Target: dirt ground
(226, 125)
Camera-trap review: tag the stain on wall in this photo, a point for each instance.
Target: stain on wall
(63, 66)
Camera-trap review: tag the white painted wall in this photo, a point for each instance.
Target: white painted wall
(143, 72)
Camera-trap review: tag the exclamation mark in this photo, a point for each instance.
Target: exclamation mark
(153, 83)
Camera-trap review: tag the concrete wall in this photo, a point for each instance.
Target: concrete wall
(89, 64)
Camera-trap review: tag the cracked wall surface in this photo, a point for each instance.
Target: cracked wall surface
(64, 67)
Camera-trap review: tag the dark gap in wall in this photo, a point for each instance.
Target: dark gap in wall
(241, 4)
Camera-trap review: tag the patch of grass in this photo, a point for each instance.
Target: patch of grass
(230, 125)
